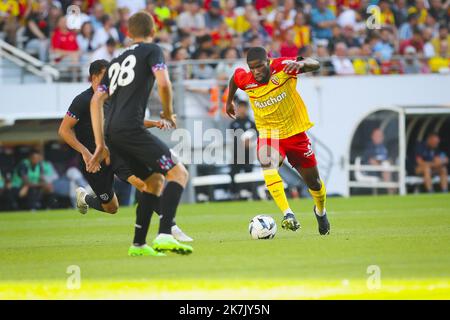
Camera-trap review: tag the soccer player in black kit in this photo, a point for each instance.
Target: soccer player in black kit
(76, 130)
(127, 85)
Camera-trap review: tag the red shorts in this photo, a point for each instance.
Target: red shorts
(297, 149)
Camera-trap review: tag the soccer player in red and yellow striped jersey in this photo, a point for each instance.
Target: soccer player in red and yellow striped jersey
(282, 120)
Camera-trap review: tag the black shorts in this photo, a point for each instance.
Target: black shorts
(101, 182)
(139, 153)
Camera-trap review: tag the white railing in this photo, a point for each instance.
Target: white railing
(28, 62)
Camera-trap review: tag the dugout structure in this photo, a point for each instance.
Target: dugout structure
(403, 127)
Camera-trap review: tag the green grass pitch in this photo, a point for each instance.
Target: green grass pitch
(407, 239)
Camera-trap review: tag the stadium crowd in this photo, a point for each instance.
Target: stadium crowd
(404, 36)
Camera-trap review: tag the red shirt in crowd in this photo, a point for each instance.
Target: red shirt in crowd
(288, 50)
(65, 40)
(418, 45)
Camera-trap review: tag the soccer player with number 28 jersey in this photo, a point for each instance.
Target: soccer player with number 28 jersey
(127, 84)
(282, 120)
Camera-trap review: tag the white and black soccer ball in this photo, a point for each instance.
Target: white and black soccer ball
(262, 227)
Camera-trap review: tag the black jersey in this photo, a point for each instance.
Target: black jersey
(129, 81)
(80, 110)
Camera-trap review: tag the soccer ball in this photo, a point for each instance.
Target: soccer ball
(262, 227)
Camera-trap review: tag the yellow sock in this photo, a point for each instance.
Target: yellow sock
(320, 198)
(276, 188)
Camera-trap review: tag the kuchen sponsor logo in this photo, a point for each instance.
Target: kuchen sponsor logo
(270, 101)
(275, 80)
(251, 85)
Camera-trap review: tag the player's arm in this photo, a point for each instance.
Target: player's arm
(97, 118)
(166, 95)
(302, 65)
(67, 133)
(232, 88)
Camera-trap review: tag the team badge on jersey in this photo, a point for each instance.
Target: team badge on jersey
(275, 80)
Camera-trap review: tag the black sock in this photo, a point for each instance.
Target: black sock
(158, 211)
(94, 202)
(146, 204)
(169, 202)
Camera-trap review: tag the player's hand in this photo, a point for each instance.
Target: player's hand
(101, 153)
(294, 67)
(230, 110)
(163, 124)
(87, 156)
(171, 120)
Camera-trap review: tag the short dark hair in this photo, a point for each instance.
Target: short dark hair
(97, 67)
(256, 53)
(141, 25)
(111, 42)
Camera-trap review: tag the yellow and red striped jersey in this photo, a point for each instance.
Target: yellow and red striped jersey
(278, 108)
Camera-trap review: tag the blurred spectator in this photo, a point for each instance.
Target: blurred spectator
(383, 48)
(65, 48)
(162, 12)
(28, 183)
(122, 24)
(37, 31)
(221, 37)
(431, 161)
(439, 12)
(256, 30)
(410, 63)
(186, 42)
(287, 13)
(106, 52)
(54, 14)
(322, 19)
(376, 154)
(75, 18)
(442, 39)
(349, 38)
(213, 17)
(441, 62)
(326, 68)
(10, 14)
(400, 10)
(420, 9)
(342, 65)
(192, 20)
(415, 41)
(289, 48)
(203, 71)
(406, 30)
(347, 17)
(428, 49)
(85, 38)
(226, 69)
(386, 15)
(366, 64)
(96, 16)
(107, 31)
(302, 31)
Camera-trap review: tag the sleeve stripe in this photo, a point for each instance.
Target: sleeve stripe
(102, 88)
(72, 115)
(159, 66)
